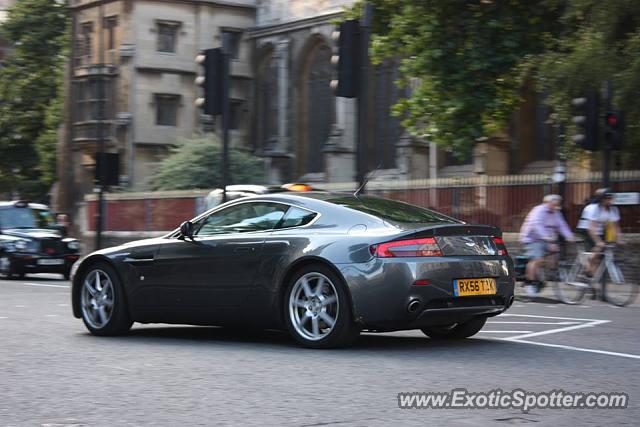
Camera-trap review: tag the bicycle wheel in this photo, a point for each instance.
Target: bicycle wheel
(572, 284)
(620, 286)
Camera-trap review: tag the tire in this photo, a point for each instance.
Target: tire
(457, 330)
(309, 309)
(103, 306)
(10, 271)
(572, 285)
(621, 285)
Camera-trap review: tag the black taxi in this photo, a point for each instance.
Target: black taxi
(31, 241)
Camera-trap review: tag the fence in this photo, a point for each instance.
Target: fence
(503, 201)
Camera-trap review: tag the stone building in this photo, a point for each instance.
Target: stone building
(305, 133)
(144, 52)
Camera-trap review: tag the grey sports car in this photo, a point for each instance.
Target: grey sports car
(324, 266)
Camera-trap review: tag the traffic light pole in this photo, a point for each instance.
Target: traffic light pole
(100, 131)
(226, 45)
(363, 97)
(606, 149)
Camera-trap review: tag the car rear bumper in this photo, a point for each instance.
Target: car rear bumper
(385, 295)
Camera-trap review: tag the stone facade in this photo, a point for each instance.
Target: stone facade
(148, 49)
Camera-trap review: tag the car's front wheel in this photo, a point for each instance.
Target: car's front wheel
(102, 301)
(456, 330)
(317, 309)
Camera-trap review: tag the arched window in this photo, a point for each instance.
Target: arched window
(319, 111)
(384, 129)
(267, 102)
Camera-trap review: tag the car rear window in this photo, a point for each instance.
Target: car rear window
(391, 210)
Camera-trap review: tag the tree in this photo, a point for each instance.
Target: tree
(466, 60)
(197, 163)
(30, 95)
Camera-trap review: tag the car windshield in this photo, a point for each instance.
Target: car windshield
(390, 210)
(24, 217)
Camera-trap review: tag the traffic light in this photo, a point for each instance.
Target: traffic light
(111, 162)
(586, 120)
(614, 125)
(347, 60)
(211, 80)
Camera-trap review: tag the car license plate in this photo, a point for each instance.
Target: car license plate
(47, 261)
(466, 287)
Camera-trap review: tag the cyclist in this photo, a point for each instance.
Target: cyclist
(599, 224)
(539, 233)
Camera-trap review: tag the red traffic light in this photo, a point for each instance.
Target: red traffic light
(612, 120)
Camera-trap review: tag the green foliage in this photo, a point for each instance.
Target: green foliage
(466, 61)
(30, 95)
(197, 163)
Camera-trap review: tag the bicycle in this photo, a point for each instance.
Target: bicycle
(549, 273)
(619, 285)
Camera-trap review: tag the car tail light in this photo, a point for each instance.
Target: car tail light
(407, 248)
(502, 249)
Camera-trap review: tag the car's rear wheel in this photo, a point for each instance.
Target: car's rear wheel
(317, 309)
(102, 301)
(8, 269)
(456, 330)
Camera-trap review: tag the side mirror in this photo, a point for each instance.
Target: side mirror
(186, 229)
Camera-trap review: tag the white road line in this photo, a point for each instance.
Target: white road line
(552, 306)
(46, 286)
(558, 330)
(19, 306)
(62, 305)
(569, 347)
(52, 315)
(3, 317)
(505, 332)
(532, 323)
(539, 316)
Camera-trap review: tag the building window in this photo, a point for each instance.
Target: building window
(234, 42)
(167, 36)
(86, 31)
(110, 24)
(235, 116)
(167, 109)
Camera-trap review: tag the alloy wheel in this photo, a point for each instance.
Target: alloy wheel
(97, 298)
(313, 306)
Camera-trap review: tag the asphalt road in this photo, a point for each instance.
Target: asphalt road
(53, 373)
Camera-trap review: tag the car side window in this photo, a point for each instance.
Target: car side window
(242, 218)
(296, 217)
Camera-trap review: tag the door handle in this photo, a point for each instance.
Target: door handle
(243, 249)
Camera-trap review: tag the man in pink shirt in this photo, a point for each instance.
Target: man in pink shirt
(539, 233)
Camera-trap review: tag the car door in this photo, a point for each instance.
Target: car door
(216, 269)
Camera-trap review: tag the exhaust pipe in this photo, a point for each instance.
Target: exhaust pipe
(414, 305)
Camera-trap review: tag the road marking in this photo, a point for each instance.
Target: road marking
(570, 347)
(532, 323)
(3, 317)
(585, 323)
(506, 332)
(45, 286)
(63, 305)
(19, 306)
(52, 315)
(552, 306)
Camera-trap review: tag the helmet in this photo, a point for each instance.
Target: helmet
(603, 193)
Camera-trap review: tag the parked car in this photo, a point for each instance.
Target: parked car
(31, 241)
(323, 266)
